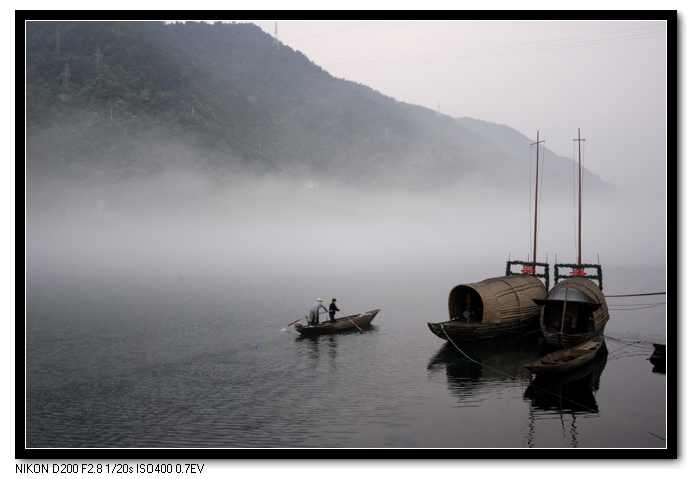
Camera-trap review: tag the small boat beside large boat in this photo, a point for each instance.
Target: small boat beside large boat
(341, 324)
(568, 359)
(571, 390)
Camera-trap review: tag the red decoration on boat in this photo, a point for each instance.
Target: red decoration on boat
(528, 269)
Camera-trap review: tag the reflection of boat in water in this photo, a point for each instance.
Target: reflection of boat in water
(572, 391)
(317, 338)
(499, 360)
(564, 360)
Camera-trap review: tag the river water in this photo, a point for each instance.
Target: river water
(145, 340)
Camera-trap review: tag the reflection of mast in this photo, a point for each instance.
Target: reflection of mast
(532, 427)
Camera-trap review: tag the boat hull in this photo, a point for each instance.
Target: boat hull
(565, 360)
(341, 324)
(460, 332)
(559, 341)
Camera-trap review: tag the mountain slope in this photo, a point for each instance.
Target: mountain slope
(557, 171)
(116, 101)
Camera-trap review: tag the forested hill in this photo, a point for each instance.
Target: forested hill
(113, 101)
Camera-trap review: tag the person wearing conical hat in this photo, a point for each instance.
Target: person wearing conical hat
(314, 315)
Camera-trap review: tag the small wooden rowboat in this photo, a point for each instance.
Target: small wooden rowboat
(567, 359)
(341, 324)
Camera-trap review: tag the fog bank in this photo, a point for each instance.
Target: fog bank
(191, 226)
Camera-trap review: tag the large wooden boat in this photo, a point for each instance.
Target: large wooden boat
(574, 312)
(492, 308)
(565, 360)
(341, 324)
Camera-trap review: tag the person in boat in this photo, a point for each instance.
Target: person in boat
(314, 316)
(332, 311)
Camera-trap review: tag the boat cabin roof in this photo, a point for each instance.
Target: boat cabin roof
(572, 295)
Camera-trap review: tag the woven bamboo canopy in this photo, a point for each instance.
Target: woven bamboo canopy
(497, 300)
(588, 288)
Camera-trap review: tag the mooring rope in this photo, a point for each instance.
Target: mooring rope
(630, 307)
(462, 352)
(627, 295)
(634, 307)
(625, 344)
(544, 390)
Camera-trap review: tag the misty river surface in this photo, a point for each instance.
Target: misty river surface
(140, 340)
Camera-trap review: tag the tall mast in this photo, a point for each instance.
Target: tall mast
(580, 175)
(535, 214)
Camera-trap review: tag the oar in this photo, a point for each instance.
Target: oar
(294, 322)
(352, 321)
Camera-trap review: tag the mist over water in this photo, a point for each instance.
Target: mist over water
(276, 234)
(152, 315)
(190, 225)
